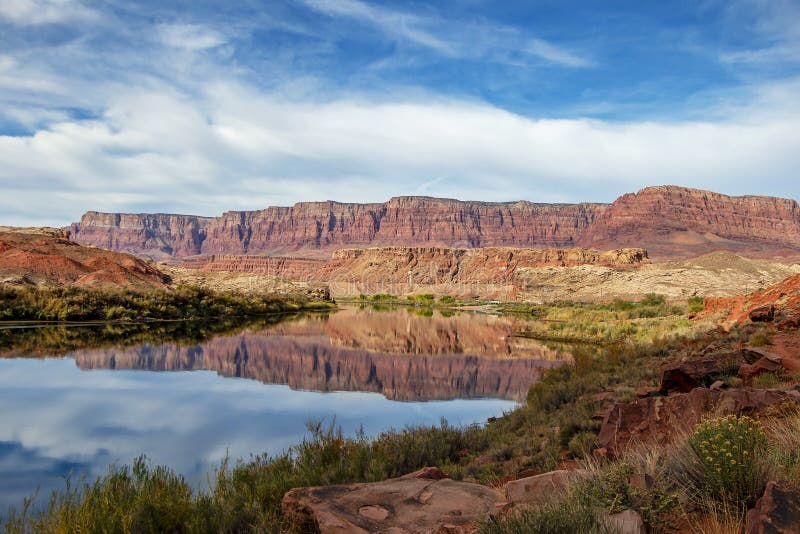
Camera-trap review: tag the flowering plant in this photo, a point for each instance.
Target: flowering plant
(729, 449)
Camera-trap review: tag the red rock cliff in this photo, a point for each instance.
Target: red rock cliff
(669, 221)
(329, 226)
(674, 221)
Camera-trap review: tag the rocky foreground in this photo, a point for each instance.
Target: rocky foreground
(670, 222)
(723, 376)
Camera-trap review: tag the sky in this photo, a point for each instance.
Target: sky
(201, 106)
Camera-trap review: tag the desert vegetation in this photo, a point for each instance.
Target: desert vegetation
(60, 339)
(705, 480)
(184, 302)
(245, 495)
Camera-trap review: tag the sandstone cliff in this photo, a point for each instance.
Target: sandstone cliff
(680, 222)
(671, 222)
(326, 226)
(488, 272)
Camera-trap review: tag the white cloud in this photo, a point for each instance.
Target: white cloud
(235, 147)
(777, 25)
(36, 12)
(554, 54)
(190, 36)
(449, 38)
(395, 23)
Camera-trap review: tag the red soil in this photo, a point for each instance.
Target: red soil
(47, 257)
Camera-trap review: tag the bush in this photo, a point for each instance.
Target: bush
(612, 489)
(651, 299)
(760, 338)
(550, 518)
(580, 445)
(729, 449)
(696, 304)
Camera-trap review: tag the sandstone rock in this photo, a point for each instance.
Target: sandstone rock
(626, 522)
(778, 512)
(659, 419)
(700, 372)
(424, 501)
(762, 314)
(783, 296)
(767, 364)
(648, 392)
(670, 221)
(717, 386)
(540, 488)
(402, 270)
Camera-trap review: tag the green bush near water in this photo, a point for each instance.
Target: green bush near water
(245, 497)
(185, 302)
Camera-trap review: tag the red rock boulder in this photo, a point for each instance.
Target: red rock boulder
(660, 419)
(778, 512)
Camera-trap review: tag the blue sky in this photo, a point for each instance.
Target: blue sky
(206, 106)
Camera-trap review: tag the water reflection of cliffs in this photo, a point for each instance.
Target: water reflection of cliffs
(397, 354)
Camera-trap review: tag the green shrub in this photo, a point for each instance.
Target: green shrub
(729, 449)
(580, 445)
(651, 299)
(613, 491)
(696, 304)
(184, 302)
(768, 381)
(760, 338)
(447, 299)
(568, 517)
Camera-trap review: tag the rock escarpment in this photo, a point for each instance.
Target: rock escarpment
(674, 221)
(669, 221)
(461, 272)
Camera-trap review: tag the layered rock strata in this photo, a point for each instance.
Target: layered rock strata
(45, 257)
(669, 221)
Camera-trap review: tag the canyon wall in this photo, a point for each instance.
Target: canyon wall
(681, 222)
(326, 226)
(490, 272)
(669, 221)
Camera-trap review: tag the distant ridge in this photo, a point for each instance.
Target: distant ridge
(670, 222)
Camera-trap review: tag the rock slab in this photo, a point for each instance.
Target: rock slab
(420, 503)
(626, 522)
(544, 487)
(660, 419)
(777, 512)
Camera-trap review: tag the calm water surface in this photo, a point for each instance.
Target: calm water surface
(188, 405)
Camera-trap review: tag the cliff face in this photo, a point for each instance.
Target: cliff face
(153, 235)
(676, 221)
(325, 226)
(669, 221)
(488, 272)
